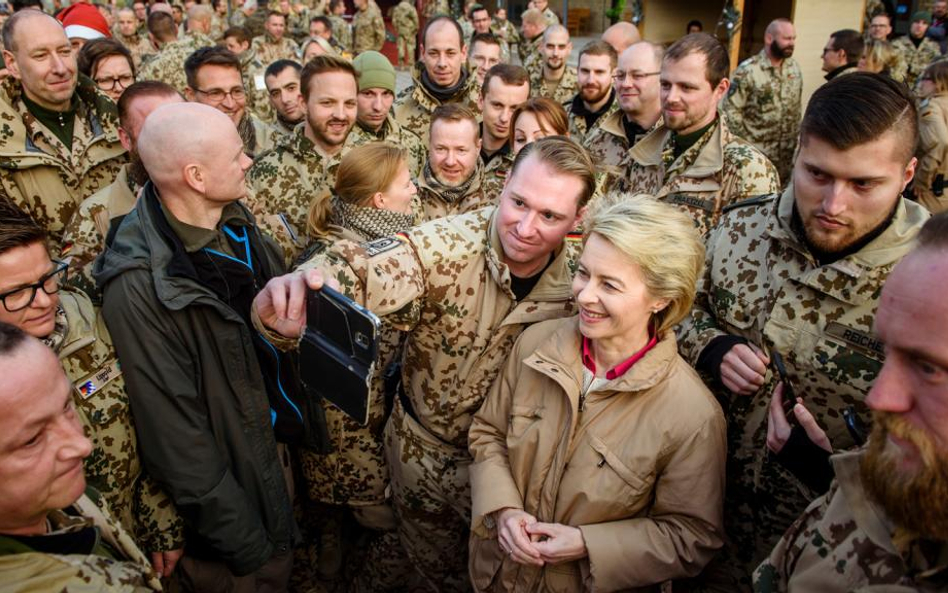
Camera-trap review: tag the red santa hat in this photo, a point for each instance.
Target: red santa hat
(84, 21)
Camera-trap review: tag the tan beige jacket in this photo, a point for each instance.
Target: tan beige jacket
(640, 470)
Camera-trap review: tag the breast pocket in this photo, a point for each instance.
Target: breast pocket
(609, 484)
(522, 420)
(846, 365)
(732, 312)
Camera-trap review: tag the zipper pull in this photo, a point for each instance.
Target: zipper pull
(582, 401)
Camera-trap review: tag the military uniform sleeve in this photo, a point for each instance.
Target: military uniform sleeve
(697, 330)
(735, 102)
(176, 442)
(749, 174)
(83, 241)
(378, 27)
(385, 276)
(932, 142)
(684, 527)
(492, 484)
(163, 527)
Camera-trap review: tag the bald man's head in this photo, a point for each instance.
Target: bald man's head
(190, 149)
(621, 35)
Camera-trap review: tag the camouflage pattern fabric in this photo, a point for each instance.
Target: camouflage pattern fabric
(763, 107)
(288, 178)
(297, 24)
(436, 7)
(495, 176)
(138, 45)
(264, 136)
(397, 134)
(341, 32)
(718, 170)
(445, 284)
(218, 26)
(368, 29)
(405, 21)
(85, 349)
(168, 65)
(258, 97)
(844, 542)
(550, 16)
(432, 204)
(506, 30)
(84, 237)
(607, 143)
(529, 51)
(563, 90)
(915, 59)
(40, 175)
(414, 105)
(762, 283)
(269, 49)
(577, 123)
(26, 570)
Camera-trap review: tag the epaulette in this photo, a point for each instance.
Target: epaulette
(755, 201)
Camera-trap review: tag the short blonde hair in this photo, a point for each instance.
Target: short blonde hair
(364, 171)
(879, 56)
(661, 240)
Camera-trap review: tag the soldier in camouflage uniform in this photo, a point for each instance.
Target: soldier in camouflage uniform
(550, 75)
(405, 21)
(596, 98)
(763, 104)
(70, 325)
(374, 120)
(544, 7)
(532, 30)
(168, 65)
(126, 32)
(252, 71)
(452, 181)
(505, 89)
(274, 45)
(302, 167)
(368, 27)
(341, 29)
(639, 108)
(436, 7)
(55, 538)
(460, 288)
(46, 168)
(297, 20)
(784, 274)
(692, 159)
(917, 50)
(437, 80)
(882, 525)
(504, 29)
(84, 237)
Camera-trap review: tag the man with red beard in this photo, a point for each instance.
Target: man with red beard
(596, 97)
(799, 275)
(763, 104)
(884, 521)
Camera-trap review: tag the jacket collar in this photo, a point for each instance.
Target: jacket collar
(709, 160)
(560, 357)
(428, 101)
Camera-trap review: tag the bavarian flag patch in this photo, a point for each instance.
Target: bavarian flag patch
(99, 379)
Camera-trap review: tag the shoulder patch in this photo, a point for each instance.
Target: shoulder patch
(755, 201)
(380, 246)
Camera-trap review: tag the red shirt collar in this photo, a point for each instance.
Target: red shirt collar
(621, 368)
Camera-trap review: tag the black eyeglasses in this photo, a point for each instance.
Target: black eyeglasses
(21, 298)
(107, 84)
(218, 95)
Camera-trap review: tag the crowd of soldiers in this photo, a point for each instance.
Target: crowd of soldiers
(646, 323)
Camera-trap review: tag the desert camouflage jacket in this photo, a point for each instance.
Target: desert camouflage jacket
(718, 170)
(446, 284)
(258, 98)
(414, 105)
(915, 59)
(269, 50)
(565, 89)
(762, 283)
(431, 204)
(397, 134)
(578, 130)
(607, 143)
(43, 177)
(168, 64)
(844, 542)
(288, 178)
(495, 175)
(405, 19)
(368, 29)
(138, 45)
(341, 32)
(529, 50)
(84, 238)
(85, 349)
(763, 107)
(27, 568)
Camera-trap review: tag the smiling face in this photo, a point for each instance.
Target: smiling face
(639, 90)
(614, 302)
(537, 209)
(528, 128)
(443, 54)
(398, 196)
(483, 57)
(689, 102)
(41, 440)
(43, 61)
(906, 466)
(843, 195)
(454, 150)
(331, 109)
(211, 78)
(594, 76)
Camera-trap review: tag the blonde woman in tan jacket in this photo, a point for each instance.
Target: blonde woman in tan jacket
(599, 454)
(932, 151)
